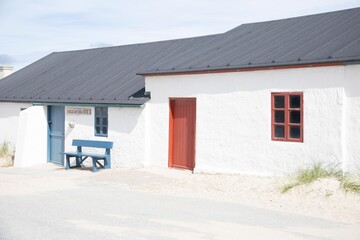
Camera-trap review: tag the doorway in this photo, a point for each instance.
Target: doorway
(56, 123)
(182, 130)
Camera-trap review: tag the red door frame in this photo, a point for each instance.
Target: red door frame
(171, 134)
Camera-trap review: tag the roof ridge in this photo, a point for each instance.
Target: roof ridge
(295, 17)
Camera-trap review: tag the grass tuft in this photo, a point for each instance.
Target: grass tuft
(319, 170)
(4, 149)
(6, 155)
(287, 187)
(350, 186)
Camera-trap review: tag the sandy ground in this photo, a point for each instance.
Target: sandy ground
(320, 200)
(6, 161)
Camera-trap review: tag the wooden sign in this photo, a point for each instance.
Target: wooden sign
(79, 111)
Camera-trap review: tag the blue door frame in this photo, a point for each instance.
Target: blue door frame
(56, 126)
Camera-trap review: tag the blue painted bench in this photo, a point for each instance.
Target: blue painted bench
(81, 156)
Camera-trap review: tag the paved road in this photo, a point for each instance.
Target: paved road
(42, 209)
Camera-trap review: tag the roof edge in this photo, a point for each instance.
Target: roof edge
(298, 16)
(130, 103)
(248, 67)
(90, 104)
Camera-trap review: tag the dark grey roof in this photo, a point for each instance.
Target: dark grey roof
(109, 75)
(96, 76)
(320, 38)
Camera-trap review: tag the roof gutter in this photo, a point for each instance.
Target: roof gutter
(90, 105)
(352, 62)
(240, 69)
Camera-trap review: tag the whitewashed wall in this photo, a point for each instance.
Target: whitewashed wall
(9, 119)
(352, 118)
(234, 119)
(32, 132)
(126, 130)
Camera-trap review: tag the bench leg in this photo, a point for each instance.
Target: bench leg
(78, 161)
(107, 163)
(67, 166)
(94, 168)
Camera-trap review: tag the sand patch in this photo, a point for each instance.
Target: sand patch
(323, 198)
(7, 161)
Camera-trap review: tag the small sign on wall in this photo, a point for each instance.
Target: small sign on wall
(79, 111)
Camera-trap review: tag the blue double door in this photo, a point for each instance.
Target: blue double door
(56, 124)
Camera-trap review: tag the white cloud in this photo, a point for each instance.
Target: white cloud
(6, 59)
(41, 26)
(99, 45)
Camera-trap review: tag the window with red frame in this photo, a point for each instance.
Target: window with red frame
(287, 116)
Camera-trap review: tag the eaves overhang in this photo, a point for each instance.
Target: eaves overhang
(133, 102)
(253, 66)
(89, 104)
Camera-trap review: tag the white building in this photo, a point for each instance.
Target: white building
(264, 98)
(5, 71)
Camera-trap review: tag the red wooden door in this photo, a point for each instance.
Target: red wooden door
(182, 133)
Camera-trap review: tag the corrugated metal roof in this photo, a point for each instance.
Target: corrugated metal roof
(109, 75)
(99, 76)
(320, 38)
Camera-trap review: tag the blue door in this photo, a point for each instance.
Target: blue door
(56, 121)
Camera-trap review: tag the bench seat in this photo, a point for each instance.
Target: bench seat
(81, 156)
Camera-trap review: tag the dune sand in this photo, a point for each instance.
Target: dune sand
(323, 198)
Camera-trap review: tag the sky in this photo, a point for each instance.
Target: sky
(32, 29)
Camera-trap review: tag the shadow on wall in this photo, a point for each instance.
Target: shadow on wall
(352, 81)
(9, 112)
(68, 131)
(9, 116)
